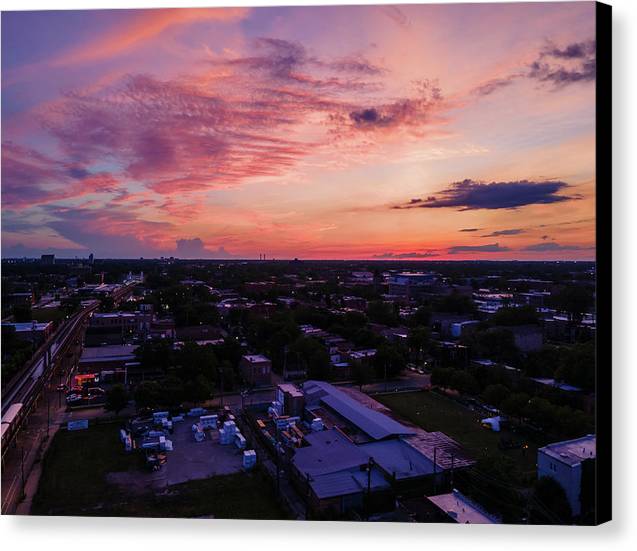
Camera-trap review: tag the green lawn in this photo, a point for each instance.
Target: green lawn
(434, 412)
(74, 483)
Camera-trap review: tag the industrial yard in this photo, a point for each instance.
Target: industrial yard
(88, 472)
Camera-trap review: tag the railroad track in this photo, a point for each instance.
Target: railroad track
(23, 391)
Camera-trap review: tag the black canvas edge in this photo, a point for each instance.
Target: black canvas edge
(603, 352)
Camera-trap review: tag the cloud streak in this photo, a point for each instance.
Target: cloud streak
(492, 248)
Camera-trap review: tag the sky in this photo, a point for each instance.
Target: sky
(442, 132)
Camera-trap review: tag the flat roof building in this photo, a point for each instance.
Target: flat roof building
(459, 508)
(564, 462)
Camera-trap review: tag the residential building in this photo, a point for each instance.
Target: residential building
(566, 462)
(256, 369)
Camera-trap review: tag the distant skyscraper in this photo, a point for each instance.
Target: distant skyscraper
(90, 259)
(47, 259)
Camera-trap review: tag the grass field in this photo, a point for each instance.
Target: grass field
(74, 482)
(434, 412)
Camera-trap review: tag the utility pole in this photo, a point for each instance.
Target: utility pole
(307, 500)
(22, 469)
(370, 464)
(385, 376)
(48, 414)
(221, 380)
(278, 470)
(435, 469)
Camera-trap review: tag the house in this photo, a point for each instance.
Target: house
(569, 463)
(256, 369)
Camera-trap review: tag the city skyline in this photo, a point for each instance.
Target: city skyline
(227, 133)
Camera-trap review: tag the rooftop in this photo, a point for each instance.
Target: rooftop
(28, 326)
(371, 422)
(399, 459)
(329, 451)
(291, 389)
(461, 509)
(108, 353)
(333, 464)
(572, 452)
(255, 358)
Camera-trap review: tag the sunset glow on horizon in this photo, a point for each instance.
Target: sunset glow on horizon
(442, 132)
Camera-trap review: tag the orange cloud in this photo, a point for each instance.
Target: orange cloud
(146, 25)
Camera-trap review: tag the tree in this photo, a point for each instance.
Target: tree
(362, 374)
(312, 355)
(148, 394)
(575, 300)
(577, 366)
(464, 382)
(456, 303)
(116, 398)
(515, 405)
(22, 313)
(419, 340)
(525, 315)
(549, 504)
(422, 316)
(198, 390)
(382, 312)
(389, 361)
(494, 343)
(495, 394)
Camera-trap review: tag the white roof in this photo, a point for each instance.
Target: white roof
(461, 509)
(254, 358)
(572, 452)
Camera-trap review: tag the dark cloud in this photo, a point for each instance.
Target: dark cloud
(402, 256)
(414, 111)
(471, 195)
(470, 229)
(577, 50)
(573, 63)
(515, 231)
(552, 246)
(491, 248)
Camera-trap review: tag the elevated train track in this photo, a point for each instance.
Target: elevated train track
(22, 393)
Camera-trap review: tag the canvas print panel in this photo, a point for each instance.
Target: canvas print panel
(302, 263)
